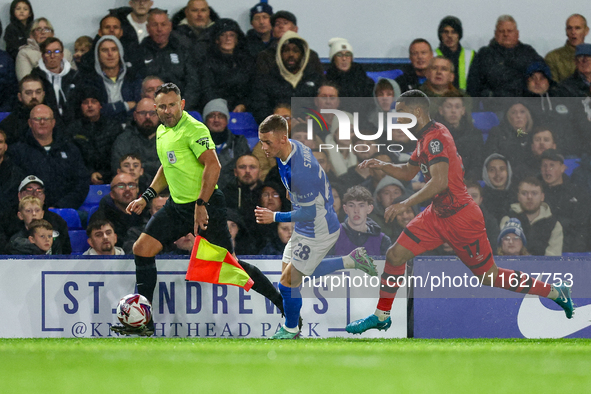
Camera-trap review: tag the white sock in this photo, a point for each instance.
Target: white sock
(553, 293)
(382, 315)
(348, 262)
(292, 330)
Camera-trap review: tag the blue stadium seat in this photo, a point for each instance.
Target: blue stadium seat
(571, 164)
(196, 115)
(92, 210)
(78, 239)
(95, 194)
(243, 123)
(3, 115)
(391, 74)
(70, 216)
(485, 121)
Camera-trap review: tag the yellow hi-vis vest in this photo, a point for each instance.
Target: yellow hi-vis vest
(466, 57)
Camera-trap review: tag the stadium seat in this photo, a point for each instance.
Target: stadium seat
(571, 164)
(95, 194)
(485, 121)
(70, 216)
(3, 115)
(196, 115)
(92, 210)
(78, 239)
(252, 141)
(243, 123)
(391, 74)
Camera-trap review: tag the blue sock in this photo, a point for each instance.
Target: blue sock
(328, 266)
(292, 303)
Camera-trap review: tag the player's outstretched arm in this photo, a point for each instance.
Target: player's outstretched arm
(303, 214)
(404, 172)
(211, 173)
(158, 184)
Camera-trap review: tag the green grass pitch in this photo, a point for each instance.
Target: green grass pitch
(164, 365)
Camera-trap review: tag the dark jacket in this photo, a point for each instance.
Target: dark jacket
(61, 169)
(174, 63)
(243, 200)
(353, 83)
(129, 33)
(255, 44)
(470, 146)
(570, 205)
(95, 141)
(8, 82)
(197, 39)
(16, 35)
(409, 79)
(228, 76)
(11, 176)
(131, 140)
(122, 222)
(10, 225)
(16, 124)
(374, 240)
(20, 244)
(576, 85)
(231, 149)
(68, 86)
(497, 71)
(505, 140)
(492, 226)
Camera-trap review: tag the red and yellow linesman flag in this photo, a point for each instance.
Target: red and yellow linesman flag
(214, 264)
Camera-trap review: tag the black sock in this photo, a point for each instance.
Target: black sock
(145, 276)
(263, 285)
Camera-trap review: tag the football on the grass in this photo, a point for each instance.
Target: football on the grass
(134, 310)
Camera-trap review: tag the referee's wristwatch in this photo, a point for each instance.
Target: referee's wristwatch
(201, 202)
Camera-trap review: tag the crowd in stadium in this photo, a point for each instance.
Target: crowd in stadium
(86, 118)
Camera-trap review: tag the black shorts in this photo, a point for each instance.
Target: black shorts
(174, 220)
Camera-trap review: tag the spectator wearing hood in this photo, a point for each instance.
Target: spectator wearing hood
(290, 77)
(58, 76)
(498, 193)
(387, 191)
(228, 70)
(562, 60)
(194, 24)
(241, 238)
(29, 55)
(350, 77)
(358, 229)
(511, 240)
(497, 69)
(452, 112)
(450, 32)
(511, 138)
(282, 22)
(170, 57)
(259, 37)
(17, 31)
(119, 89)
(385, 92)
(139, 138)
(94, 135)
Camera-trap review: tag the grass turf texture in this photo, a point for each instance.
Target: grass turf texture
(154, 365)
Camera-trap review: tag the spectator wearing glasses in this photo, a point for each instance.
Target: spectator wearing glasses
(139, 138)
(124, 189)
(94, 135)
(29, 55)
(10, 224)
(58, 76)
(47, 154)
(512, 241)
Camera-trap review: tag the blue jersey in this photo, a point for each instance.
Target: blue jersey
(308, 185)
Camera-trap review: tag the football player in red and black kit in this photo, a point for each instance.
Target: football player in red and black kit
(452, 217)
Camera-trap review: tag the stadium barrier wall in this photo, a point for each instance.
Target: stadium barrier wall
(76, 297)
(458, 311)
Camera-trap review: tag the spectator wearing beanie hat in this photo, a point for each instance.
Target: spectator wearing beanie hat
(228, 69)
(349, 76)
(512, 241)
(450, 32)
(259, 37)
(229, 147)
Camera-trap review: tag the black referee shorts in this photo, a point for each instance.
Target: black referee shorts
(174, 220)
